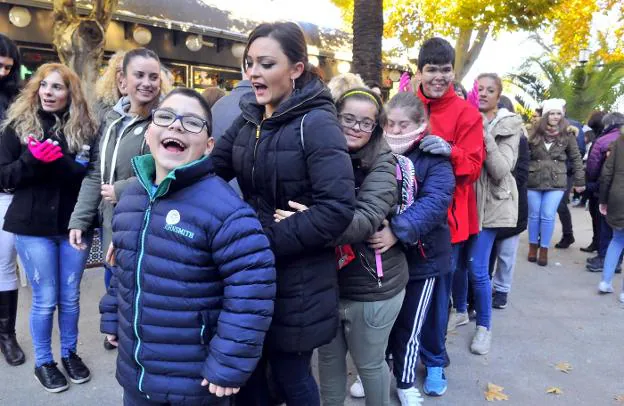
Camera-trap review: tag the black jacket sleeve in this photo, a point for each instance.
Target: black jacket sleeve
(17, 165)
(333, 190)
(222, 154)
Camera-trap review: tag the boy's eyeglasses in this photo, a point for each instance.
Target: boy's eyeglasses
(348, 120)
(164, 118)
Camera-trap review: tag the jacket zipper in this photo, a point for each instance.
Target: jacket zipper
(146, 220)
(259, 127)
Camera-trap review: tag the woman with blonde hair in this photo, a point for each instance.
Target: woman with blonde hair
(109, 88)
(44, 149)
(339, 84)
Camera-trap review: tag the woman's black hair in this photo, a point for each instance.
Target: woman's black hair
(142, 52)
(506, 103)
(184, 91)
(293, 44)
(10, 85)
(461, 89)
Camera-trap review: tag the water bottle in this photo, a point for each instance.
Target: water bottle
(83, 156)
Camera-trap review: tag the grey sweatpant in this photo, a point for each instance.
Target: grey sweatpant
(363, 331)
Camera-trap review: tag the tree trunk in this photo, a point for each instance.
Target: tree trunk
(367, 34)
(79, 41)
(466, 53)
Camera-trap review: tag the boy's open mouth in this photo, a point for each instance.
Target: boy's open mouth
(173, 145)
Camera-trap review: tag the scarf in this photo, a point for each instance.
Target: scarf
(551, 134)
(400, 143)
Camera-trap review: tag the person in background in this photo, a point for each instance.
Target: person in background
(287, 146)
(375, 87)
(567, 238)
(456, 132)
(612, 123)
(503, 257)
(551, 145)
(109, 88)
(121, 138)
(213, 94)
(339, 84)
(46, 131)
(595, 123)
(190, 290)
(497, 203)
(10, 84)
(460, 90)
(612, 207)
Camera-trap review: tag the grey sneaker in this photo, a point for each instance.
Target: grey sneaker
(457, 319)
(481, 341)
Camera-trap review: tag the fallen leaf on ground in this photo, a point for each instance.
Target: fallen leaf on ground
(619, 398)
(495, 392)
(564, 367)
(554, 390)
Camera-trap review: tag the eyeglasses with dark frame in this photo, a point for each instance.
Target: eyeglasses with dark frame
(348, 120)
(164, 118)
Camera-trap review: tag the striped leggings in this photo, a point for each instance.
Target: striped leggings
(405, 336)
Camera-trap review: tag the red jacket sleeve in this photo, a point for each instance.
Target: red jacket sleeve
(468, 151)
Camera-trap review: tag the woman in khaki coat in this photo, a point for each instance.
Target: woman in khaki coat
(497, 202)
(552, 144)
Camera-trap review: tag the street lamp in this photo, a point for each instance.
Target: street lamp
(142, 35)
(584, 56)
(19, 16)
(196, 42)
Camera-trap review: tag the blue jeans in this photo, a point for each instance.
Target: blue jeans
(616, 246)
(542, 211)
(54, 270)
(479, 249)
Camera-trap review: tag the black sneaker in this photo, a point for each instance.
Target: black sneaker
(499, 301)
(77, 371)
(108, 346)
(51, 378)
(595, 264)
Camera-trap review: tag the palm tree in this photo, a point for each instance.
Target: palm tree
(367, 34)
(585, 87)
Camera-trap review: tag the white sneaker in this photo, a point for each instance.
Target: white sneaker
(622, 297)
(457, 319)
(357, 389)
(481, 341)
(410, 397)
(604, 287)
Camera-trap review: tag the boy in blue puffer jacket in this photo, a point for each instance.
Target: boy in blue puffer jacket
(192, 294)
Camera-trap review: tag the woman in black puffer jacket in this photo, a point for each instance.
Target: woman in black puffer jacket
(287, 146)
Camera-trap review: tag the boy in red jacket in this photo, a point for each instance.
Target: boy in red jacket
(459, 135)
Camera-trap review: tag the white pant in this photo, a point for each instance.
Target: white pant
(506, 251)
(8, 255)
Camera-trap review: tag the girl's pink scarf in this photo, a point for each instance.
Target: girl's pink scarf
(400, 143)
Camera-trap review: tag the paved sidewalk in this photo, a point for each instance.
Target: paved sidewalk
(554, 315)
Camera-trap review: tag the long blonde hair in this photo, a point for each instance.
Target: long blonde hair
(77, 125)
(106, 89)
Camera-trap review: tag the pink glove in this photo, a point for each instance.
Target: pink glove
(473, 95)
(45, 151)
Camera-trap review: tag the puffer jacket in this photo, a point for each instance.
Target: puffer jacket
(374, 168)
(598, 153)
(497, 193)
(297, 154)
(547, 167)
(423, 227)
(192, 293)
(612, 184)
(122, 137)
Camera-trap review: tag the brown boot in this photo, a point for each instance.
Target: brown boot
(543, 257)
(532, 253)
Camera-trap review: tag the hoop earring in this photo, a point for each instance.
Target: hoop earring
(293, 81)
